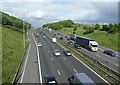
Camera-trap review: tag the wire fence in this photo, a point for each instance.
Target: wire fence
(14, 81)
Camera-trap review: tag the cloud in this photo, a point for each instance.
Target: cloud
(43, 12)
(59, 0)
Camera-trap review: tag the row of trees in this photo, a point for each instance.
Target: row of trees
(59, 25)
(13, 22)
(111, 28)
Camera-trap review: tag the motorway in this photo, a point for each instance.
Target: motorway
(61, 67)
(40, 61)
(110, 62)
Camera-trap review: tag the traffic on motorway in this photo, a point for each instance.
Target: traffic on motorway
(58, 65)
(106, 57)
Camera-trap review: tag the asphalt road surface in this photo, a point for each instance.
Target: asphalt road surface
(110, 62)
(61, 67)
(40, 61)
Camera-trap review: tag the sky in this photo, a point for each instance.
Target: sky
(39, 12)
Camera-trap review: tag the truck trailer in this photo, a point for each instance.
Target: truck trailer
(87, 43)
(73, 37)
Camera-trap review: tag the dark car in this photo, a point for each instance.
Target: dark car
(110, 53)
(61, 38)
(67, 52)
(66, 37)
(58, 33)
(77, 46)
(70, 42)
(50, 80)
(54, 35)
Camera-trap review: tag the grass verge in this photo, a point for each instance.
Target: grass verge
(103, 38)
(12, 44)
(0, 55)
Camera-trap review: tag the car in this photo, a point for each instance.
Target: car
(39, 44)
(110, 53)
(70, 42)
(37, 35)
(56, 52)
(77, 46)
(44, 36)
(66, 37)
(58, 33)
(67, 53)
(54, 35)
(50, 80)
(61, 38)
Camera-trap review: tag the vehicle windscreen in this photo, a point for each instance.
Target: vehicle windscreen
(94, 46)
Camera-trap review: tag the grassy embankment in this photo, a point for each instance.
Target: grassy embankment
(0, 55)
(103, 38)
(12, 50)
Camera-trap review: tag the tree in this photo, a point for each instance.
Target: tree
(105, 28)
(97, 26)
(75, 28)
(74, 32)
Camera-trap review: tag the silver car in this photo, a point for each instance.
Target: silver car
(56, 52)
(39, 44)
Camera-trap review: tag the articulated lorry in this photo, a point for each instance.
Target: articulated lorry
(87, 43)
(80, 79)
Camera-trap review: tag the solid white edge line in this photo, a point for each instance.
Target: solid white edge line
(84, 64)
(40, 74)
(25, 64)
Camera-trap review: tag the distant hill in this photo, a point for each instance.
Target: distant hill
(60, 24)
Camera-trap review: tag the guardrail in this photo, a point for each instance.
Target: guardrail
(85, 57)
(14, 81)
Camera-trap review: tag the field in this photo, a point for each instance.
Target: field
(103, 38)
(12, 50)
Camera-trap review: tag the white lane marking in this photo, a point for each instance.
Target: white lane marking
(53, 46)
(51, 58)
(100, 49)
(59, 72)
(48, 51)
(40, 74)
(115, 64)
(97, 55)
(84, 64)
(25, 64)
(64, 58)
(90, 68)
(75, 70)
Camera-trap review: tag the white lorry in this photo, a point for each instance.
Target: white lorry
(54, 40)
